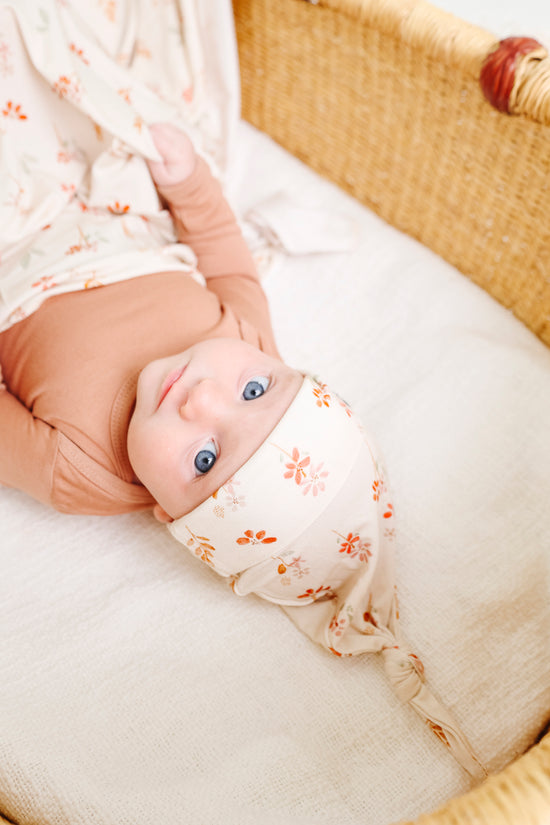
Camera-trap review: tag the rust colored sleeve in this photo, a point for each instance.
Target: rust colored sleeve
(205, 222)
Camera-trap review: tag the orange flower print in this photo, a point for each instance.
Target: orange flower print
(84, 244)
(322, 395)
(364, 552)
(355, 547)
(295, 567)
(315, 481)
(368, 615)
(142, 49)
(79, 53)
(323, 592)
(232, 498)
(417, 663)
(235, 501)
(187, 94)
(109, 8)
(378, 487)
(201, 547)
(13, 111)
(369, 619)
(255, 538)
(6, 67)
(124, 94)
(17, 199)
(338, 624)
(439, 732)
(67, 87)
(348, 545)
(118, 209)
(45, 282)
(17, 315)
(67, 152)
(295, 468)
(346, 407)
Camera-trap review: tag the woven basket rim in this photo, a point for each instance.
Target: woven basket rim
(437, 33)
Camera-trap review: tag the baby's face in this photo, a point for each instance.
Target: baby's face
(200, 415)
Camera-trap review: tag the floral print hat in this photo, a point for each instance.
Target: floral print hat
(306, 523)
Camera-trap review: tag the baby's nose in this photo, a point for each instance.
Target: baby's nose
(205, 400)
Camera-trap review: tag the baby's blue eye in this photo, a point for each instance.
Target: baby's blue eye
(256, 387)
(206, 458)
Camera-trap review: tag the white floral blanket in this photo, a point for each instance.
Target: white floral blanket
(79, 83)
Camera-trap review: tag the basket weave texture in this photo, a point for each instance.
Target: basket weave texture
(383, 98)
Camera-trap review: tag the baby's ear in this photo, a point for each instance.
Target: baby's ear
(161, 515)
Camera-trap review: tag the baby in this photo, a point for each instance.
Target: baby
(156, 392)
(65, 436)
(200, 414)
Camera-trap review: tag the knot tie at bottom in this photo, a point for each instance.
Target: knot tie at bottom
(405, 672)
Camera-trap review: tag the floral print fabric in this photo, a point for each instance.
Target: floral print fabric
(79, 82)
(307, 523)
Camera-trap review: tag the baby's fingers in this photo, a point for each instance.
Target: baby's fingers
(165, 137)
(178, 155)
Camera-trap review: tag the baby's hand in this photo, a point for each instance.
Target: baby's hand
(178, 155)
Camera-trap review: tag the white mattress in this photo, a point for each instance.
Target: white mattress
(136, 687)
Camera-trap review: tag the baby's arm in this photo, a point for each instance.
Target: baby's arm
(205, 221)
(27, 448)
(203, 218)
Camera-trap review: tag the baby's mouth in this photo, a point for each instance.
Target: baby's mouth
(169, 382)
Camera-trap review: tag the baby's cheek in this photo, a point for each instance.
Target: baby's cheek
(158, 451)
(147, 450)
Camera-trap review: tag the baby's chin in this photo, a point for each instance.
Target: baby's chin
(161, 515)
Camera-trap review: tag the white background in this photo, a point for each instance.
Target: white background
(504, 18)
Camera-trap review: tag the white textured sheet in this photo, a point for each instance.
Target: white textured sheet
(136, 688)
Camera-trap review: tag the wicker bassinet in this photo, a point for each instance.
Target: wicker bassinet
(384, 98)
